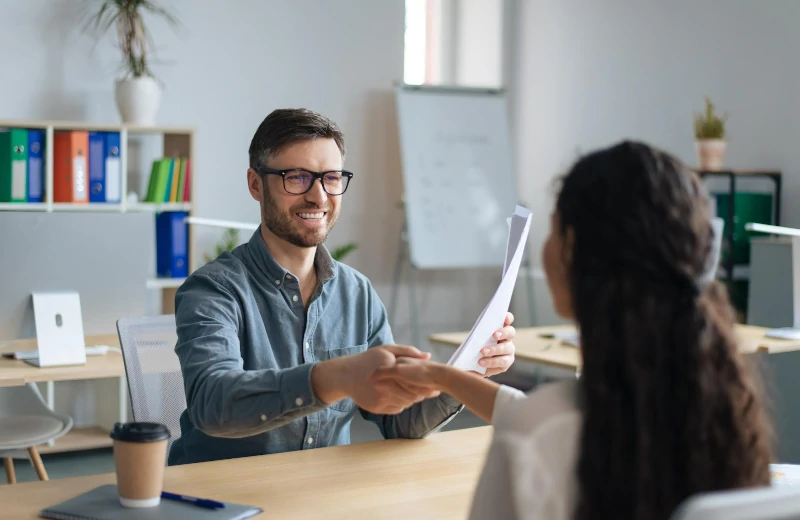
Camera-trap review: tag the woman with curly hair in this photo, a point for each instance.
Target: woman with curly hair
(664, 407)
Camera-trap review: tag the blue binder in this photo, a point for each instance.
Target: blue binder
(97, 167)
(113, 167)
(35, 166)
(105, 168)
(172, 244)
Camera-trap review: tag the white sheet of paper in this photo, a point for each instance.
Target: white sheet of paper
(509, 252)
(468, 354)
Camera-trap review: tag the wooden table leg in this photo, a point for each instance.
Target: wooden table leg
(11, 477)
(37, 463)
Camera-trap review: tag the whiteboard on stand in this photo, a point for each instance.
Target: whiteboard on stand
(458, 175)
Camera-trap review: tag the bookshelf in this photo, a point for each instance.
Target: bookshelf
(177, 142)
(167, 141)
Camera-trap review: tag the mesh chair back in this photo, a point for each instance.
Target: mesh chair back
(155, 381)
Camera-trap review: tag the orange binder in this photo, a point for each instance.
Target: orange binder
(70, 167)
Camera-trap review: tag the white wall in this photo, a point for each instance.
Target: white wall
(590, 73)
(229, 65)
(479, 40)
(469, 42)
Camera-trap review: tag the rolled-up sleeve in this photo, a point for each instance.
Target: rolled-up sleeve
(222, 398)
(419, 420)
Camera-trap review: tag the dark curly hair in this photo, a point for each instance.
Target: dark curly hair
(670, 406)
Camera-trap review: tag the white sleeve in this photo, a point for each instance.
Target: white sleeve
(506, 395)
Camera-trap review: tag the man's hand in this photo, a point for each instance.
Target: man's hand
(386, 397)
(350, 377)
(415, 372)
(498, 358)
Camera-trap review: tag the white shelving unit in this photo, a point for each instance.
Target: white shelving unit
(177, 142)
(164, 283)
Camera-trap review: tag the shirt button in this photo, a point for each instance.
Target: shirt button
(308, 346)
(277, 282)
(299, 401)
(294, 298)
(263, 418)
(310, 440)
(288, 277)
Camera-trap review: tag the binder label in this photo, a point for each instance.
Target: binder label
(113, 177)
(79, 170)
(35, 178)
(18, 180)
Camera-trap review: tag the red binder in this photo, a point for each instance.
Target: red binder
(70, 167)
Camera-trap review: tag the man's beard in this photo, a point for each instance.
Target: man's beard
(281, 224)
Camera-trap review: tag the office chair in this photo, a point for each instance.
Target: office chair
(25, 423)
(767, 503)
(155, 381)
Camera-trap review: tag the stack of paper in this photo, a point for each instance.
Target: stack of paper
(493, 316)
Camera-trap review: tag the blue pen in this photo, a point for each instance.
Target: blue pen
(199, 502)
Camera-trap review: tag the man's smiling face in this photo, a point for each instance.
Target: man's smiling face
(302, 220)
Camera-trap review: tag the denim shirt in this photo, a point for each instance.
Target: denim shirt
(247, 345)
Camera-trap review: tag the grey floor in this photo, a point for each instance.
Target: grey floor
(101, 461)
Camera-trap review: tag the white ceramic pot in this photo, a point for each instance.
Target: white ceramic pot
(710, 154)
(138, 100)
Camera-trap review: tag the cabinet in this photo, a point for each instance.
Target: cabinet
(738, 208)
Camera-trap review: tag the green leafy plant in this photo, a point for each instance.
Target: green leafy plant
(338, 253)
(134, 39)
(229, 240)
(709, 125)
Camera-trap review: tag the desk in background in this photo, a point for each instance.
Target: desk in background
(531, 346)
(429, 478)
(17, 373)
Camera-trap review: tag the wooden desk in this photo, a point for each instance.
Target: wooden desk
(532, 347)
(429, 478)
(17, 373)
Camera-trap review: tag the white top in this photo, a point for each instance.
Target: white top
(530, 471)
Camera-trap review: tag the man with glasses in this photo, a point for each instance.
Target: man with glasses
(276, 340)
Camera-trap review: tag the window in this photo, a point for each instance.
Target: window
(415, 42)
(455, 42)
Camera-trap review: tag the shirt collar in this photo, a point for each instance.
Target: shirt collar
(323, 261)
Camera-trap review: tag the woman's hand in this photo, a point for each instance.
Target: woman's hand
(415, 373)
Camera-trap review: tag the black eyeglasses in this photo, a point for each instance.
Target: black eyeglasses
(298, 181)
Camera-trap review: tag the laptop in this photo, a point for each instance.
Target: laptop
(59, 329)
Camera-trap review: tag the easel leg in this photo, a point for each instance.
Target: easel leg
(403, 256)
(412, 308)
(529, 289)
(398, 272)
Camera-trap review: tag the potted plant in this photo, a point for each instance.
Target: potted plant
(709, 133)
(137, 92)
(338, 253)
(228, 242)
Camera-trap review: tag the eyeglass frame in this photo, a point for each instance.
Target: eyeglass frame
(266, 170)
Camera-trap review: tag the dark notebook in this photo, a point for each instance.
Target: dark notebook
(102, 503)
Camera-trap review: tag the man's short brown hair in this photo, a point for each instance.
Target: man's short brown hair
(287, 126)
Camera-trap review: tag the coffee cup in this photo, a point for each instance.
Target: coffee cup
(140, 454)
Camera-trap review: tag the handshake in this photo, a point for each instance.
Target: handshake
(390, 378)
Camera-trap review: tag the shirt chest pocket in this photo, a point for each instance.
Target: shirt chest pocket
(344, 405)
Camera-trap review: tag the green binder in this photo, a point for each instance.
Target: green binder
(14, 165)
(157, 186)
